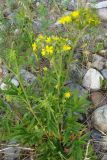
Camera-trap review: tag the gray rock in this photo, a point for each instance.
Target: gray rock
(77, 87)
(100, 5)
(11, 152)
(76, 72)
(99, 119)
(96, 135)
(92, 79)
(104, 157)
(98, 62)
(102, 9)
(104, 73)
(28, 77)
(100, 144)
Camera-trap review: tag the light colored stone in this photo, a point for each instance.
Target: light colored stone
(99, 119)
(100, 5)
(98, 62)
(3, 86)
(15, 82)
(101, 8)
(103, 13)
(92, 79)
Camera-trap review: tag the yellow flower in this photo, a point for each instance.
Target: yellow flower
(34, 46)
(66, 47)
(41, 36)
(67, 95)
(43, 52)
(65, 19)
(48, 40)
(49, 49)
(75, 14)
(55, 38)
(45, 69)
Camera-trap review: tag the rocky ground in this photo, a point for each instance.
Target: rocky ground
(93, 77)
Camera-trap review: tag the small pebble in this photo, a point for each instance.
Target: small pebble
(92, 79)
(15, 82)
(3, 86)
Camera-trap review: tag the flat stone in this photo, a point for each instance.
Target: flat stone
(92, 79)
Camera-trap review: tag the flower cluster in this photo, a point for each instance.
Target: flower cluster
(47, 50)
(34, 46)
(47, 46)
(80, 16)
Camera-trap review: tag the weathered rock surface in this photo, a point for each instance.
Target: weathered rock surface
(27, 76)
(98, 99)
(98, 62)
(104, 157)
(101, 4)
(99, 119)
(76, 72)
(102, 9)
(12, 152)
(92, 79)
